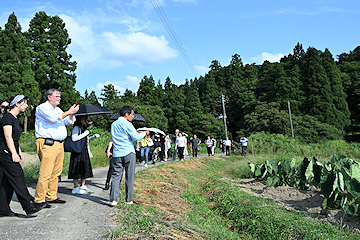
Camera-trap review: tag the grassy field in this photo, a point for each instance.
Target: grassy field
(195, 200)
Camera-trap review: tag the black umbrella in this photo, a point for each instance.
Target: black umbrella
(137, 117)
(90, 109)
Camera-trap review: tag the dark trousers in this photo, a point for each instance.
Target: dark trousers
(195, 151)
(12, 179)
(108, 177)
(243, 152)
(227, 150)
(181, 152)
(209, 151)
(6, 192)
(174, 157)
(162, 153)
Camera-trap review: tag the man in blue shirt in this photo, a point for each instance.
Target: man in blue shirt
(244, 143)
(123, 133)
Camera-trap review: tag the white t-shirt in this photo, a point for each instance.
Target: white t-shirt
(181, 141)
(227, 143)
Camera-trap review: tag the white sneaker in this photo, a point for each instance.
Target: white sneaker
(85, 188)
(145, 165)
(129, 203)
(78, 190)
(113, 204)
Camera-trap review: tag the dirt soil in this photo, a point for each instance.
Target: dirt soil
(308, 202)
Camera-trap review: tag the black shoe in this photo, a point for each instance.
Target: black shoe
(57, 201)
(106, 186)
(42, 205)
(35, 207)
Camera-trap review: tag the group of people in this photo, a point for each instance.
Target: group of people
(50, 132)
(152, 147)
(227, 145)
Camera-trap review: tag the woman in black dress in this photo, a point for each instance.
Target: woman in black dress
(12, 178)
(80, 164)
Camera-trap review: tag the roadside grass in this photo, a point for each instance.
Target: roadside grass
(193, 200)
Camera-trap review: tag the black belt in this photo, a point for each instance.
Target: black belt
(60, 141)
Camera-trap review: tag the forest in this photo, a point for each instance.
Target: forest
(321, 90)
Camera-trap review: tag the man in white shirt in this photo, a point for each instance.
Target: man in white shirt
(227, 144)
(50, 131)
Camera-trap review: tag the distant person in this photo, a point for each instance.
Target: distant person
(3, 107)
(221, 146)
(186, 153)
(175, 137)
(108, 152)
(144, 145)
(11, 173)
(213, 146)
(208, 143)
(195, 145)
(180, 145)
(162, 148)
(233, 146)
(80, 164)
(227, 144)
(167, 147)
(157, 147)
(244, 142)
(123, 133)
(50, 132)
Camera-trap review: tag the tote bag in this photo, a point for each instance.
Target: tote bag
(71, 146)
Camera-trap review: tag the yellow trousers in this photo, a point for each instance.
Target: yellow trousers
(51, 164)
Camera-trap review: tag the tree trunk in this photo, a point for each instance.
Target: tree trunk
(25, 123)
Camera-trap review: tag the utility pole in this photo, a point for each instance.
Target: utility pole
(224, 114)
(292, 130)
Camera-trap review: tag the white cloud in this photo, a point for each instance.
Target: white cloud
(84, 44)
(268, 56)
(108, 50)
(133, 24)
(133, 80)
(137, 47)
(100, 86)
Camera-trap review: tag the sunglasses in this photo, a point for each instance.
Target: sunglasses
(2, 106)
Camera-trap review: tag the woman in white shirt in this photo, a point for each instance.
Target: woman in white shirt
(80, 164)
(181, 144)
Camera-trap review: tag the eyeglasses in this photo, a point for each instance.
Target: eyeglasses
(3, 106)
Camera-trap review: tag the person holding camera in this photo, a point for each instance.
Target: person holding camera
(50, 132)
(244, 143)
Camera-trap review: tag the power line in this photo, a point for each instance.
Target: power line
(159, 10)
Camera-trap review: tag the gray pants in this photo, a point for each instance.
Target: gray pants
(119, 163)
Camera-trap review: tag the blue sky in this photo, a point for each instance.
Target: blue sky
(120, 41)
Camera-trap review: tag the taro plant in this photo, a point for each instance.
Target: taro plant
(308, 173)
(340, 184)
(275, 173)
(338, 179)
